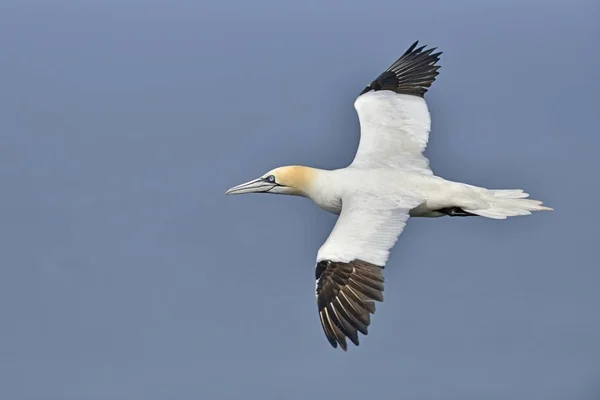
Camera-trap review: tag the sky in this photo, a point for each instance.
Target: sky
(126, 273)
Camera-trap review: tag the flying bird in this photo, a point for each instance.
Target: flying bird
(388, 181)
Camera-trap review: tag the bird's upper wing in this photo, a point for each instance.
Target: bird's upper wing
(350, 264)
(394, 118)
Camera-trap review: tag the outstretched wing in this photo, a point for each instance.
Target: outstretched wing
(393, 114)
(350, 264)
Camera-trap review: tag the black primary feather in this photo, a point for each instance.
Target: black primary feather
(346, 295)
(413, 73)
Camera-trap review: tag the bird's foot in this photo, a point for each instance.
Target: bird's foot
(455, 212)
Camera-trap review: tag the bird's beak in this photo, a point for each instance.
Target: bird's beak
(255, 186)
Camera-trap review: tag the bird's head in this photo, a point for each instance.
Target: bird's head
(293, 180)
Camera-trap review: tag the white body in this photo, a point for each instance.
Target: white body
(431, 192)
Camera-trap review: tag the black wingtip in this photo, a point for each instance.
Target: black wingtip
(413, 73)
(346, 293)
(411, 48)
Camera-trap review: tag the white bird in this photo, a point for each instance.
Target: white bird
(388, 181)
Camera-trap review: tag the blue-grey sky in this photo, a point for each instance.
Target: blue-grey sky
(125, 273)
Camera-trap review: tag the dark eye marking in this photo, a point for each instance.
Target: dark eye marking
(270, 179)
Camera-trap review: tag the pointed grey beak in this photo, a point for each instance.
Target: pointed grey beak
(255, 186)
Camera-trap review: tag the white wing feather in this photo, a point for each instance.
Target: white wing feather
(394, 131)
(366, 229)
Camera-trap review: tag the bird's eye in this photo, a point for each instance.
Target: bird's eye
(271, 178)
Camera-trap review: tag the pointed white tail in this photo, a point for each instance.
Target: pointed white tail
(509, 203)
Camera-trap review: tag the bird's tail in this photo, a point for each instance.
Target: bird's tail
(509, 203)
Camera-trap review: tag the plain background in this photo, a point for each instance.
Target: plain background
(125, 273)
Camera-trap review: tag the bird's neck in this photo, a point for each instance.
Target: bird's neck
(320, 186)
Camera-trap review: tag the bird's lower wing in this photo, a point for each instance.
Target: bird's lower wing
(350, 264)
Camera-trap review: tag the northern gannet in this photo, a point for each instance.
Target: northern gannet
(388, 181)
